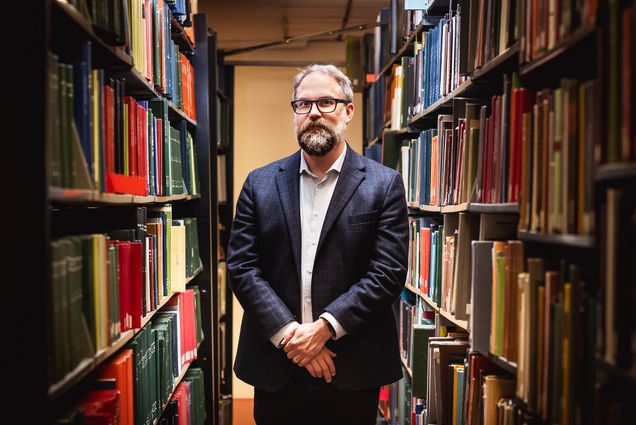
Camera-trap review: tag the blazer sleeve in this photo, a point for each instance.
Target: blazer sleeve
(385, 279)
(253, 292)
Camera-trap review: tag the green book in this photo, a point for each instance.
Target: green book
(197, 395)
(421, 334)
(152, 377)
(159, 108)
(177, 185)
(164, 372)
(197, 315)
(113, 285)
(76, 329)
(54, 127)
(139, 383)
(391, 148)
(56, 341)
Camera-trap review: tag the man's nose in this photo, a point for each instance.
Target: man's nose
(314, 112)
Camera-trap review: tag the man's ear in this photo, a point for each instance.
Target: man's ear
(349, 111)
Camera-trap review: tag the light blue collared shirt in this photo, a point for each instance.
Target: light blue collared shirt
(315, 196)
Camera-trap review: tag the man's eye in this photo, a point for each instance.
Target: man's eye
(325, 102)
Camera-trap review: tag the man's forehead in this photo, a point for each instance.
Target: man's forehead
(318, 82)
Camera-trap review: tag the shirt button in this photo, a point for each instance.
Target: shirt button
(308, 271)
(307, 300)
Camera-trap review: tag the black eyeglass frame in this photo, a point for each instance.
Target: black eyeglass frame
(315, 102)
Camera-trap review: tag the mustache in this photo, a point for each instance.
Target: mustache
(315, 125)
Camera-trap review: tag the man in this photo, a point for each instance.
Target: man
(317, 256)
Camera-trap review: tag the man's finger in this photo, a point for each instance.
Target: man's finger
(303, 360)
(331, 353)
(311, 370)
(330, 365)
(324, 368)
(285, 341)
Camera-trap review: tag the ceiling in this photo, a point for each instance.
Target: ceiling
(243, 23)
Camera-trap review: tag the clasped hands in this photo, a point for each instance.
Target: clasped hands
(305, 346)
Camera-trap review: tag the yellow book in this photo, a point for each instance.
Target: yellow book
(539, 351)
(498, 297)
(456, 396)
(580, 213)
(178, 281)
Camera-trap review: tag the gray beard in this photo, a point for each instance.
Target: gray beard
(317, 139)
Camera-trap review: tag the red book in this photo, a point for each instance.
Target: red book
(132, 132)
(120, 369)
(109, 128)
(191, 325)
(193, 108)
(119, 183)
(513, 191)
(142, 144)
(479, 367)
(181, 394)
(136, 281)
(485, 191)
(458, 163)
(125, 317)
(101, 407)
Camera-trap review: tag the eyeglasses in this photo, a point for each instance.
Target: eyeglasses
(324, 105)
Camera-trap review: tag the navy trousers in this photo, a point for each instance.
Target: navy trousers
(311, 401)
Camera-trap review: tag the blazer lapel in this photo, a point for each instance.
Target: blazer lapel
(287, 182)
(351, 175)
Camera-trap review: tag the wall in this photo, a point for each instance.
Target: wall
(263, 132)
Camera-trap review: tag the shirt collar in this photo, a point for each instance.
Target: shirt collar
(336, 166)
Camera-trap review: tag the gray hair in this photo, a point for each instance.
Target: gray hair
(343, 81)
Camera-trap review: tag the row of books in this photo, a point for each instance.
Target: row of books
(104, 140)
(104, 284)
(155, 54)
(439, 65)
(434, 69)
(450, 383)
(413, 315)
(540, 319)
(517, 149)
(545, 24)
(142, 28)
(439, 260)
(543, 320)
(138, 383)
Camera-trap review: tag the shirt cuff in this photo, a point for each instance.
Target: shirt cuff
(277, 338)
(340, 331)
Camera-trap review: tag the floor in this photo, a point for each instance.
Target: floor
(242, 411)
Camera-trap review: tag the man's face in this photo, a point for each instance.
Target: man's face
(317, 132)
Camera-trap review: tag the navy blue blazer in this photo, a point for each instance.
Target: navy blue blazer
(359, 270)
